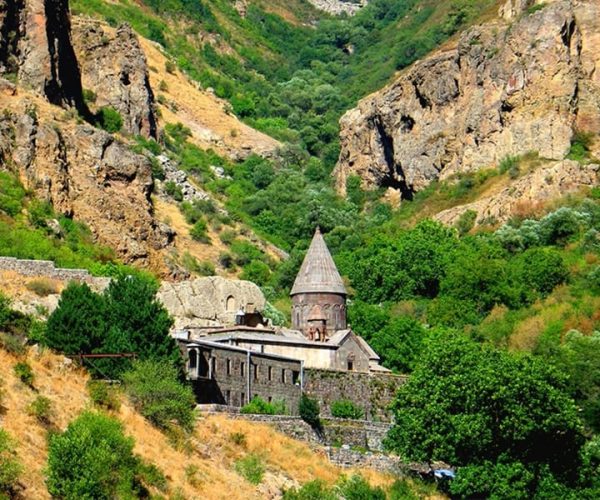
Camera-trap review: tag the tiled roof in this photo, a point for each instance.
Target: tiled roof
(318, 273)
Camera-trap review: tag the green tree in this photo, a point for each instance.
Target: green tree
(78, 324)
(309, 411)
(139, 320)
(92, 459)
(257, 272)
(400, 343)
(157, 393)
(468, 404)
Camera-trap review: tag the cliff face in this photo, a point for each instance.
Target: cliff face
(84, 172)
(36, 46)
(508, 88)
(114, 67)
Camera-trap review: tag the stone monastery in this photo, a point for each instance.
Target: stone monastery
(243, 357)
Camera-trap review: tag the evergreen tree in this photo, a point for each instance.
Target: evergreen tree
(78, 324)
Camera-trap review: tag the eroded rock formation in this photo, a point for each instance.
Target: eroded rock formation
(209, 301)
(506, 89)
(529, 194)
(36, 47)
(82, 171)
(113, 66)
(86, 174)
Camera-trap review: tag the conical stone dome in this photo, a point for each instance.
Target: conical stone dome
(318, 273)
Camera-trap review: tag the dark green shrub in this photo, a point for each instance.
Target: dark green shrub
(466, 221)
(170, 67)
(226, 260)
(109, 119)
(580, 146)
(24, 373)
(251, 468)
(357, 487)
(173, 190)
(199, 231)
(238, 438)
(344, 408)
(309, 411)
(260, 407)
(11, 468)
(41, 409)
(92, 458)
(155, 390)
(103, 394)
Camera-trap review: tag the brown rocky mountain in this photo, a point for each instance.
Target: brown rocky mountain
(83, 171)
(525, 82)
(86, 173)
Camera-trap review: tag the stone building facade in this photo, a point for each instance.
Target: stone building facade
(320, 356)
(318, 294)
(229, 375)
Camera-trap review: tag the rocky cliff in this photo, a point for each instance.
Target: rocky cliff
(113, 66)
(35, 47)
(82, 171)
(522, 83)
(85, 173)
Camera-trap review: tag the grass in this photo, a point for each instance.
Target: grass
(208, 472)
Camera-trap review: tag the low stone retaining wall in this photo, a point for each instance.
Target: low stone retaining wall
(336, 431)
(345, 456)
(47, 269)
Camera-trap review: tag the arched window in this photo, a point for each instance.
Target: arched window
(193, 361)
(230, 304)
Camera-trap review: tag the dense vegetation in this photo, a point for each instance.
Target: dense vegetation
(93, 458)
(126, 318)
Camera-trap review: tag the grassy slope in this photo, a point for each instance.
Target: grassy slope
(210, 450)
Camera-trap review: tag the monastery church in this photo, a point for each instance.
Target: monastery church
(231, 364)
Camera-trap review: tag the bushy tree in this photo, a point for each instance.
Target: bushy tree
(157, 393)
(92, 459)
(309, 411)
(400, 343)
(127, 317)
(78, 324)
(472, 406)
(10, 466)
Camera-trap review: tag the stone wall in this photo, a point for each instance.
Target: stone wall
(47, 269)
(229, 376)
(373, 392)
(360, 435)
(347, 457)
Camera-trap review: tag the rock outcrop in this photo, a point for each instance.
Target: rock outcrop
(209, 301)
(87, 174)
(337, 7)
(506, 89)
(113, 66)
(528, 194)
(36, 46)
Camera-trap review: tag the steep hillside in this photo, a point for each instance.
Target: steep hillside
(201, 467)
(489, 98)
